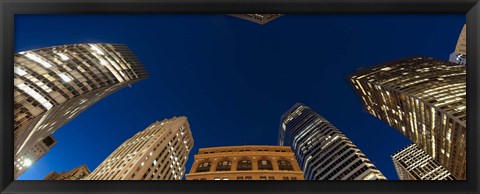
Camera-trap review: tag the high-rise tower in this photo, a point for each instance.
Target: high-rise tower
(159, 152)
(425, 100)
(323, 152)
(412, 163)
(54, 85)
(249, 162)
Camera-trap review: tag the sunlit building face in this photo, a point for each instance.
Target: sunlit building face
(54, 85)
(159, 152)
(323, 152)
(412, 163)
(425, 100)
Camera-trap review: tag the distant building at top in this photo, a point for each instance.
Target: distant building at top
(159, 152)
(322, 151)
(32, 155)
(77, 173)
(412, 163)
(425, 100)
(460, 54)
(54, 85)
(258, 18)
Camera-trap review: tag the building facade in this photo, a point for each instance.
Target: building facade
(159, 152)
(460, 54)
(425, 100)
(322, 151)
(53, 85)
(36, 152)
(77, 173)
(250, 162)
(257, 18)
(412, 163)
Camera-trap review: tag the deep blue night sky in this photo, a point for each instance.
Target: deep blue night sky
(234, 79)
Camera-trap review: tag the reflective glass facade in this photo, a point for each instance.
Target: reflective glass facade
(425, 100)
(322, 151)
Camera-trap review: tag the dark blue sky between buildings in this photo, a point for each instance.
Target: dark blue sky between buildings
(234, 79)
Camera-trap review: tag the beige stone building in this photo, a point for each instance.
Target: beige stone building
(54, 85)
(257, 18)
(250, 162)
(77, 173)
(460, 54)
(159, 152)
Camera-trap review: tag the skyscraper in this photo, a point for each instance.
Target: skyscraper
(54, 85)
(77, 173)
(36, 152)
(425, 100)
(460, 54)
(257, 18)
(412, 163)
(249, 162)
(322, 151)
(159, 152)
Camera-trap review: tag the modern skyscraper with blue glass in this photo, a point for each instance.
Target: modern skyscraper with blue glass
(322, 151)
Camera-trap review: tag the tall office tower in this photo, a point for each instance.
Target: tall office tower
(250, 162)
(322, 151)
(412, 163)
(75, 174)
(53, 85)
(26, 160)
(460, 54)
(425, 100)
(257, 18)
(159, 152)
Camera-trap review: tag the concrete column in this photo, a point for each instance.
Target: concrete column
(234, 163)
(254, 162)
(213, 168)
(275, 163)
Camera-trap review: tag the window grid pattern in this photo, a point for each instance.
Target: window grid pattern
(323, 152)
(53, 85)
(425, 100)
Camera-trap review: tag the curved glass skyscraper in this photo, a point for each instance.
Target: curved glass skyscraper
(322, 151)
(53, 85)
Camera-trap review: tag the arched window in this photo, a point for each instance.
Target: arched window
(224, 166)
(204, 167)
(244, 165)
(284, 165)
(265, 165)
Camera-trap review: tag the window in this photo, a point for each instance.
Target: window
(293, 178)
(240, 178)
(217, 178)
(224, 166)
(204, 167)
(248, 178)
(284, 165)
(244, 165)
(225, 178)
(265, 165)
(285, 178)
(271, 178)
(263, 178)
